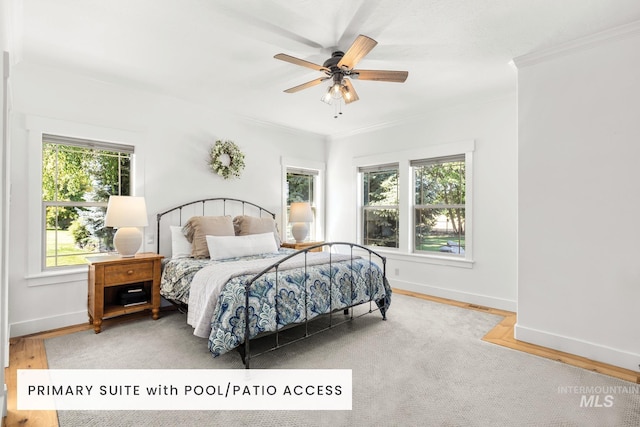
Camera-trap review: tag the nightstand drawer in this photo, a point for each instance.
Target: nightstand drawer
(128, 273)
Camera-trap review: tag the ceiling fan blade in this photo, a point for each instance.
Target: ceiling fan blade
(361, 18)
(360, 47)
(306, 85)
(349, 93)
(275, 24)
(301, 62)
(380, 75)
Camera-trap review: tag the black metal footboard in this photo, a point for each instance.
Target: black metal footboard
(381, 304)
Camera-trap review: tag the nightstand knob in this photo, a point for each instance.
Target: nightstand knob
(130, 272)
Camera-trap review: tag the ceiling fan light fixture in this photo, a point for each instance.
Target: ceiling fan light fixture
(335, 93)
(336, 90)
(346, 93)
(330, 98)
(327, 98)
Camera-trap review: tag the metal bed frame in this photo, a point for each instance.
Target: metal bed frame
(245, 348)
(382, 304)
(204, 203)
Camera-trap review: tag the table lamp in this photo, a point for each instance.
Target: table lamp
(126, 213)
(300, 216)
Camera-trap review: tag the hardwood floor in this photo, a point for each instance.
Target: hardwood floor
(28, 352)
(25, 353)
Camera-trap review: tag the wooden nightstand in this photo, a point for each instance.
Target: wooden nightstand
(302, 245)
(108, 274)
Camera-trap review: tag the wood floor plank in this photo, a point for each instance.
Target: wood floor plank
(503, 334)
(25, 353)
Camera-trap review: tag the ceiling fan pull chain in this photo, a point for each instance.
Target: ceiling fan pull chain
(337, 108)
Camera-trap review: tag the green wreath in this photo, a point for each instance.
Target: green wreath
(226, 159)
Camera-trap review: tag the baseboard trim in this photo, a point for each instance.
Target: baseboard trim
(34, 326)
(578, 347)
(483, 300)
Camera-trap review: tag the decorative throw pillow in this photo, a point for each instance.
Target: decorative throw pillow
(245, 225)
(198, 227)
(180, 246)
(222, 247)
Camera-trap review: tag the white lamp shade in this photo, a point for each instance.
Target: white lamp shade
(126, 211)
(300, 212)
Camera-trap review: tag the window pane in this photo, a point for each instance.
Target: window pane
(110, 174)
(442, 183)
(440, 230)
(73, 233)
(381, 227)
(300, 188)
(380, 187)
(64, 173)
(72, 173)
(380, 208)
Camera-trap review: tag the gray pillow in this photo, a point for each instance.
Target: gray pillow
(246, 224)
(199, 227)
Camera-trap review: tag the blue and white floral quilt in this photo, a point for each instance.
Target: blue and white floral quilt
(217, 298)
(177, 273)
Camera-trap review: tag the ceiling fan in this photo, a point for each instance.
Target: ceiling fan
(340, 69)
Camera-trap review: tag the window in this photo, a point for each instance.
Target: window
(78, 176)
(418, 203)
(380, 206)
(302, 186)
(439, 210)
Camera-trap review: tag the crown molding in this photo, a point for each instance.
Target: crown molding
(577, 45)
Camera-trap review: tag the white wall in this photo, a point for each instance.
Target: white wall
(579, 198)
(172, 138)
(491, 280)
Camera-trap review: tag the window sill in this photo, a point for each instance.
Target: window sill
(451, 261)
(66, 275)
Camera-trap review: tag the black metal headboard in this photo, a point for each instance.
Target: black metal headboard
(212, 206)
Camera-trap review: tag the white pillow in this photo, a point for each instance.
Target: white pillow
(221, 247)
(180, 246)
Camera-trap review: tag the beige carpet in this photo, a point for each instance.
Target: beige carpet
(425, 366)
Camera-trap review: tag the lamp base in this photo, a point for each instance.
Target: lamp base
(299, 230)
(127, 241)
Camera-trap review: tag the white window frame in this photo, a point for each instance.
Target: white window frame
(289, 163)
(66, 141)
(415, 163)
(406, 242)
(363, 208)
(36, 126)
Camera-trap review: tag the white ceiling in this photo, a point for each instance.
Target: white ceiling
(220, 52)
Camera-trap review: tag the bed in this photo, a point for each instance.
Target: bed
(214, 271)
